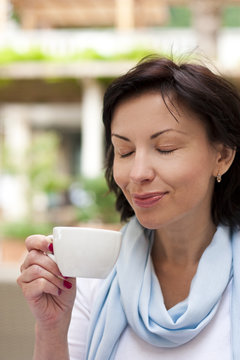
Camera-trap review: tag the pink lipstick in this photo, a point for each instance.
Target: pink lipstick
(147, 200)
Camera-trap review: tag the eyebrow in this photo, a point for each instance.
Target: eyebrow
(152, 136)
(120, 137)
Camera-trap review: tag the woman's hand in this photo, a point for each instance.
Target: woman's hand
(49, 295)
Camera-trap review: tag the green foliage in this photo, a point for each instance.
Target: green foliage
(8, 164)
(136, 53)
(180, 16)
(9, 55)
(87, 54)
(21, 229)
(42, 164)
(102, 205)
(42, 173)
(231, 16)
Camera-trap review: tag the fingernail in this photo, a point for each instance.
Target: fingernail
(50, 247)
(67, 284)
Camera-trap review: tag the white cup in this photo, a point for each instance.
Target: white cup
(85, 252)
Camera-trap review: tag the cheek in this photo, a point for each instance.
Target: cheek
(119, 175)
(192, 179)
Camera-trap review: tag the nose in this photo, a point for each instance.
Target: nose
(142, 169)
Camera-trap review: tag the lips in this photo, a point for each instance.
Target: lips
(147, 200)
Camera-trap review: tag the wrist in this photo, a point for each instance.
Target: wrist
(53, 326)
(51, 333)
(51, 343)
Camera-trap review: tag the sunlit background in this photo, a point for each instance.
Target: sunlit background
(56, 59)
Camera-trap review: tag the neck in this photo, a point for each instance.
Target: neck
(176, 252)
(183, 244)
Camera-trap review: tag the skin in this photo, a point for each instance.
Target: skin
(166, 170)
(49, 299)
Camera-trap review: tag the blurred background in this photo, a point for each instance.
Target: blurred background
(56, 59)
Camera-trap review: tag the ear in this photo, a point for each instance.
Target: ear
(225, 157)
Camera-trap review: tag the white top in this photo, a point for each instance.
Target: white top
(213, 343)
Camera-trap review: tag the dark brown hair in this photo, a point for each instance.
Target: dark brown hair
(208, 95)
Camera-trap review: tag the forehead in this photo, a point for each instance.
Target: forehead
(149, 111)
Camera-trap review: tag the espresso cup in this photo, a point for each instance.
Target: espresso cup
(85, 252)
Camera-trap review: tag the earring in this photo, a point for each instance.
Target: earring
(219, 177)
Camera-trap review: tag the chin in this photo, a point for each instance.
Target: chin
(149, 222)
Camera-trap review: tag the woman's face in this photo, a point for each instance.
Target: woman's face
(164, 167)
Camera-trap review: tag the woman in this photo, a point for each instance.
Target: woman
(173, 140)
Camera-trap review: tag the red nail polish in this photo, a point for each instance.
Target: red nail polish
(50, 248)
(67, 284)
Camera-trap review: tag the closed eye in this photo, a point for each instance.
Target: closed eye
(165, 152)
(126, 155)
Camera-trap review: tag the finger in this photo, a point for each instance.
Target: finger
(35, 289)
(36, 257)
(44, 281)
(35, 272)
(38, 242)
(37, 265)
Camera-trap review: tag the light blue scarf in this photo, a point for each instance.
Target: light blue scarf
(131, 295)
